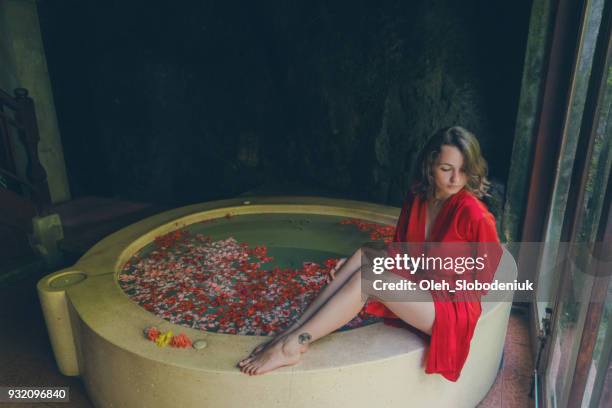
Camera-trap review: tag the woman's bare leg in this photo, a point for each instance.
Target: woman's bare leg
(347, 269)
(342, 275)
(419, 313)
(339, 310)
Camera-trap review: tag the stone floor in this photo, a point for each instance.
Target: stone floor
(512, 386)
(26, 357)
(25, 352)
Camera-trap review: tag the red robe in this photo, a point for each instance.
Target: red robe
(462, 218)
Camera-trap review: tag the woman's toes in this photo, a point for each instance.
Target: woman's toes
(244, 361)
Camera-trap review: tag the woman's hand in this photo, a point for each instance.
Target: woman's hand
(332, 273)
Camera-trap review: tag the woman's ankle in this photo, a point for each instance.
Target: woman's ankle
(298, 341)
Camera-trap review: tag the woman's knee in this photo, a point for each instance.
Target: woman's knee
(358, 253)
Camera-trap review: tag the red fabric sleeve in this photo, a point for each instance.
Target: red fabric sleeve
(489, 248)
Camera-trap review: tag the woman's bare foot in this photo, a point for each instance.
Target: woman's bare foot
(262, 347)
(282, 353)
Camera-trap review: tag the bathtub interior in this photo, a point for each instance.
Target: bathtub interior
(217, 274)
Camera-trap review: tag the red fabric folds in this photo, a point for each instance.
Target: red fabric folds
(462, 218)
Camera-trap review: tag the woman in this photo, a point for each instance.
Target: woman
(443, 206)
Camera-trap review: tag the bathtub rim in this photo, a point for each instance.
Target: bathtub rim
(98, 298)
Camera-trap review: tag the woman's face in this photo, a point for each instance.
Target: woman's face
(448, 173)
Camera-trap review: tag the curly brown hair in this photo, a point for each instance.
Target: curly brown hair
(474, 165)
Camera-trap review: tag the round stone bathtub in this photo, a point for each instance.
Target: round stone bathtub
(96, 330)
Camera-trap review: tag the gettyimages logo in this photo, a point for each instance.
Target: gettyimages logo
(460, 271)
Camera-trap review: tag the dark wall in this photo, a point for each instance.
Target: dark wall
(188, 101)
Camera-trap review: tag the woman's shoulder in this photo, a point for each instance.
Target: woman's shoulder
(470, 207)
(474, 221)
